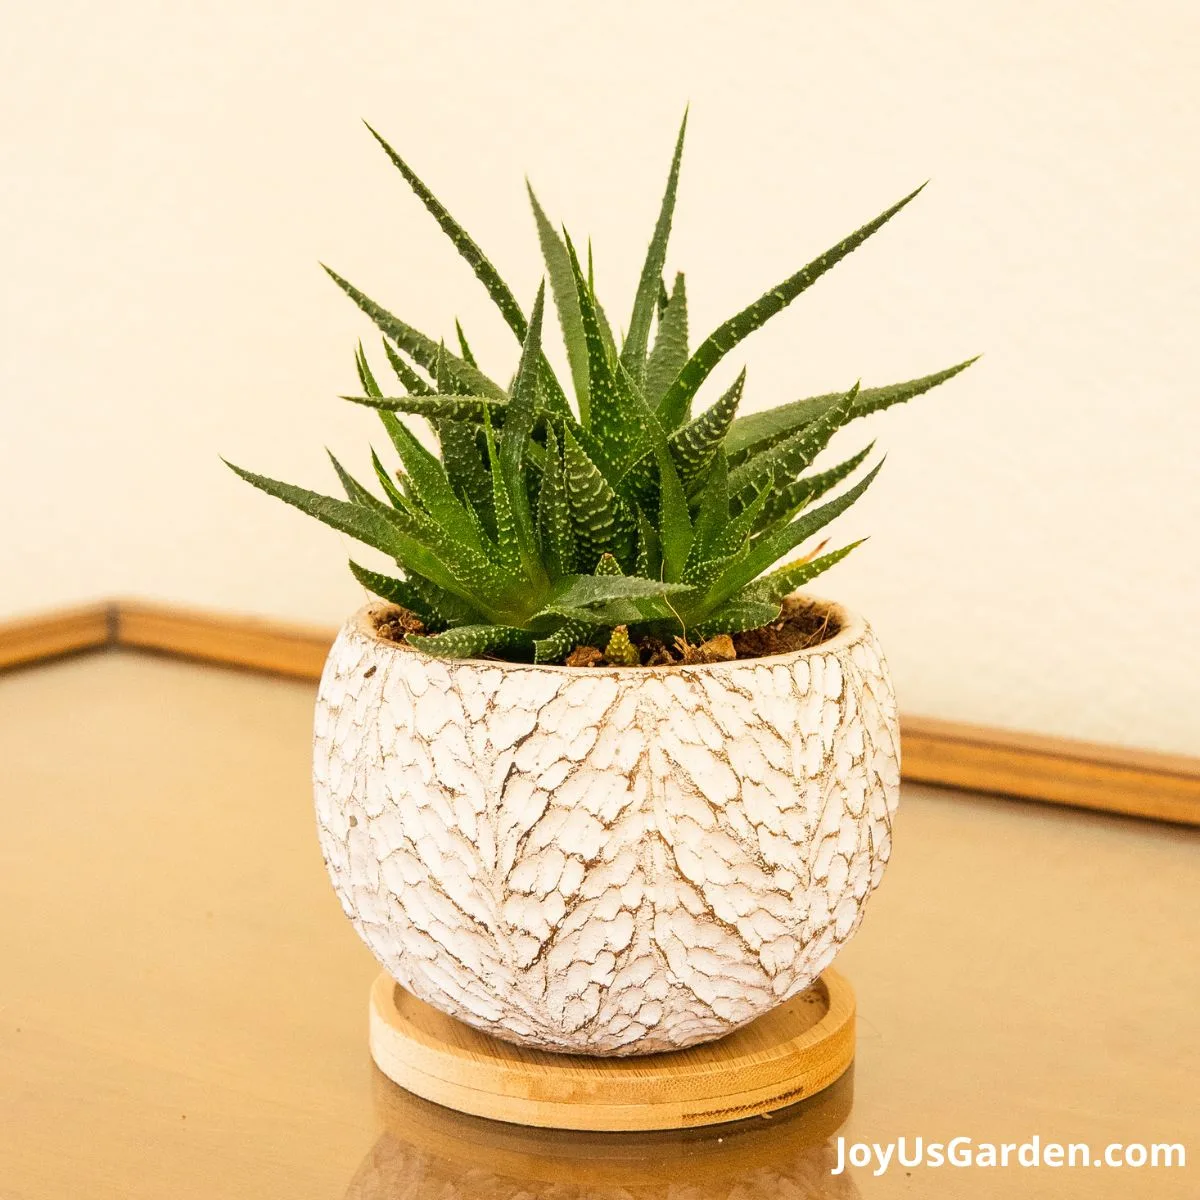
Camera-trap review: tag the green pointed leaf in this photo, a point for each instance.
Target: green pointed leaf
(584, 591)
(755, 432)
(674, 520)
(714, 348)
(554, 647)
(601, 617)
(712, 514)
(444, 379)
(664, 299)
(485, 272)
(403, 372)
(435, 406)
(784, 503)
(556, 534)
(497, 593)
(429, 485)
(463, 349)
(649, 552)
(470, 641)
(507, 542)
(617, 418)
(606, 332)
(394, 591)
(355, 492)
(633, 353)
(521, 412)
(562, 283)
(788, 458)
(702, 574)
(695, 445)
(771, 548)
(786, 580)
(369, 525)
(471, 480)
(372, 389)
(670, 344)
(422, 349)
(551, 390)
(364, 372)
(601, 519)
(692, 447)
(519, 420)
(639, 485)
(394, 494)
(434, 605)
(419, 545)
(608, 566)
(736, 616)
(737, 529)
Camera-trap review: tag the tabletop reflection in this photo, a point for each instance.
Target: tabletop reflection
(429, 1151)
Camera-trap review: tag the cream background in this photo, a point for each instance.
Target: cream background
(171, 174)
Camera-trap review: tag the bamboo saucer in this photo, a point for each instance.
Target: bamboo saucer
(789, 1054)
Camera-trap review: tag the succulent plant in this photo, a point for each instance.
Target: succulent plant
(545, 525)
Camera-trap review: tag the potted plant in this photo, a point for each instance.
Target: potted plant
(593, 775)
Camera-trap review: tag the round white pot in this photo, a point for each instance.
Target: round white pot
(605, 860)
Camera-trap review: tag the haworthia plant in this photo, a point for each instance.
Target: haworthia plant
(544, 524)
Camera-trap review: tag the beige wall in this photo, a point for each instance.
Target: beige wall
(171, 174)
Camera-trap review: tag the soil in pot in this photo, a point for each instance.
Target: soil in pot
(801, 625)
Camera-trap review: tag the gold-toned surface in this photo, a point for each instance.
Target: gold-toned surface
(182, 1002)
(428, 1151)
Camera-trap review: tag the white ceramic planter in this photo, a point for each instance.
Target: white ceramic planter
(605, 860)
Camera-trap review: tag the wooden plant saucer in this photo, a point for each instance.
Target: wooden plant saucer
(791, 1053)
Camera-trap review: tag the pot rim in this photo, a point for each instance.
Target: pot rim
(852, 628)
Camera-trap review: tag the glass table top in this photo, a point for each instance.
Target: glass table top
(183, 1005)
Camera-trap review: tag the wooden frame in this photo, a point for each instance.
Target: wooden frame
(1139, 783)
(252, 642)
(51, 635)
